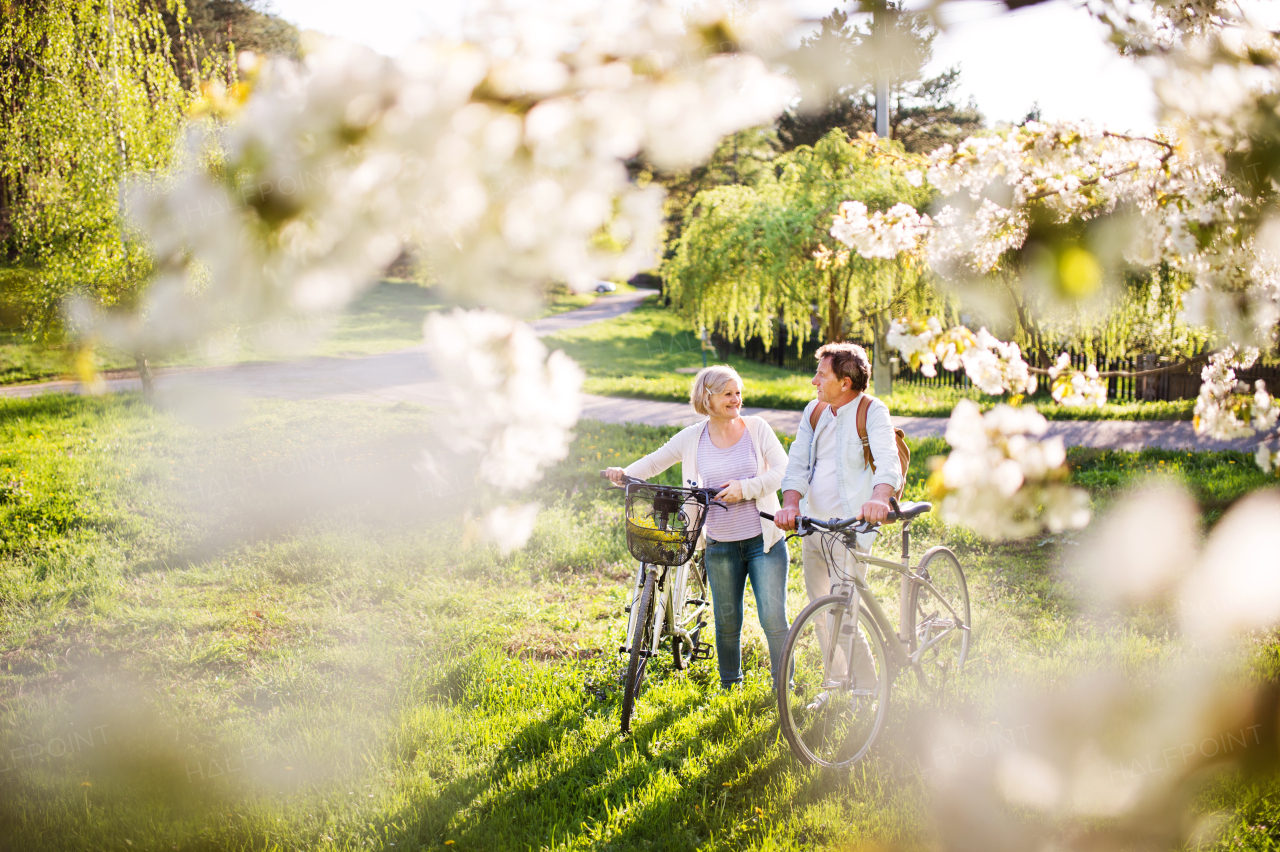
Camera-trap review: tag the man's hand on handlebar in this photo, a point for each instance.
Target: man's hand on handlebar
(876, 509)
(785, 518)
(616, 475)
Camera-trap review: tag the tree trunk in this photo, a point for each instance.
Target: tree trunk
(144, 373)
(881, 370)
(835, 314)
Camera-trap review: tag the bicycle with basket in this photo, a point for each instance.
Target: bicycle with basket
(670, 595)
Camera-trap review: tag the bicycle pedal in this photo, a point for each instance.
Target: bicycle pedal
(701, 652)
(696, 602)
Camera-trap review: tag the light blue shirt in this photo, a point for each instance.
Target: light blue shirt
(854, 476)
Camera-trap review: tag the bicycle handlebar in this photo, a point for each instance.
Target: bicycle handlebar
(709, 493)
(806, 525)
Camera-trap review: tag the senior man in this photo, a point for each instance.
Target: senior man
(828, 477)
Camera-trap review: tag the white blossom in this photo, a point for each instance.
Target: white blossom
(1001, 479)
(1225, 409)
(882, 234)
(514, 405)
(994, 366)
(1076, 388)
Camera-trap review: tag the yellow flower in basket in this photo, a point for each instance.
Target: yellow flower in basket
(646, 528)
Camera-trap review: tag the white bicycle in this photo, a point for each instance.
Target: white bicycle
(670, 595)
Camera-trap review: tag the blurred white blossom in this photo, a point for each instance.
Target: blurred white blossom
(1266, 458)
(1236, 584)
(1124, 563)
(502, 159)
(509, 527)
(514, 405)
(1001, 480)
(1076, 388)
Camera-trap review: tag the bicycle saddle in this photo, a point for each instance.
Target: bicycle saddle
(908, 510)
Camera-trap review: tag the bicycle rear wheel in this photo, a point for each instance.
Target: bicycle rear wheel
(641, 643)
(829, 714)
(929, 618)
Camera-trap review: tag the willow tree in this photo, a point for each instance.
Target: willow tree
(754, 260)
(89, 92)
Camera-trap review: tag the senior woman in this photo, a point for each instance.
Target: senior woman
(743, 455)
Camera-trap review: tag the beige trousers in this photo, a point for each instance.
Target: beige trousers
(819, 577)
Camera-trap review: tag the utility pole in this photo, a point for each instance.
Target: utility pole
(881, 369)
(879, 31)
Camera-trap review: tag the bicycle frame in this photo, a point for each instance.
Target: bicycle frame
(909, 575)
(671, 588)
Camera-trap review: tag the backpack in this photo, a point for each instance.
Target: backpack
(900, 438)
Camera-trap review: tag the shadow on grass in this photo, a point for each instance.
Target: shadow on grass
(692, 775)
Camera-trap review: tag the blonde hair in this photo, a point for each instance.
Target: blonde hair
(711, 380)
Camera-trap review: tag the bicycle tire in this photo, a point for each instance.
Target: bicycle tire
(641, 640)
(839, 731)
(943, 662)
(682, 654)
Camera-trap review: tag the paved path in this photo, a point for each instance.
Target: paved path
(1102, 434)
(403, 375)
(406, 376)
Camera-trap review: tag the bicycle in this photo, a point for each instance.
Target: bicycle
(663, 524)
(835, 702)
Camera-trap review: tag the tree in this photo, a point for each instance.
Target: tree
(922, 114)
(208, 34)
(753, 260)
(742, 158)
(88, 92)
(243, 24)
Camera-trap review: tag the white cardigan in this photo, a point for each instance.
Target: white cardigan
(771, 461)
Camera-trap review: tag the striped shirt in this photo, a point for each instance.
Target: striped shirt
(717, 466)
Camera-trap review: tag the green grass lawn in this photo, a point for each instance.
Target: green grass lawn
(268, 636)
(637, 356)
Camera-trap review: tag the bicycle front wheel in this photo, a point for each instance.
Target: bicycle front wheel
(836, 701)
(932, 617)
(695, 595)
(641, 644)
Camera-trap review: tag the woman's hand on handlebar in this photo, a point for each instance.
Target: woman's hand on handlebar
(616, 475)
(731, 493)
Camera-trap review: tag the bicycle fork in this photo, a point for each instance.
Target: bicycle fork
(668, 590)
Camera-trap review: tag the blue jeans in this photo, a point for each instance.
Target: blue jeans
(729, 564)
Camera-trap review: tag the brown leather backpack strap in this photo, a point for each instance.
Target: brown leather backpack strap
(864, 405)
(816, 414)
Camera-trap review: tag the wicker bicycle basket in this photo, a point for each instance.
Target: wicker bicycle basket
(663, 524)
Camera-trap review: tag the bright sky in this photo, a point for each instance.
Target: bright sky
(1053, 53)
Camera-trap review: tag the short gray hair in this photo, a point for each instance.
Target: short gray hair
(848, 361)
(711, 380)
